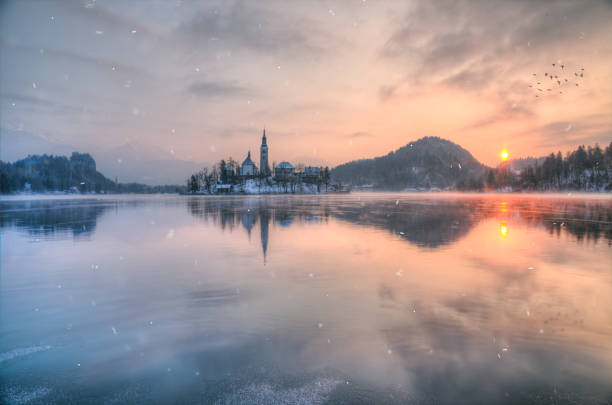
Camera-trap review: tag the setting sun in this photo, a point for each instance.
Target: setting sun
(504, 154)
(503, 230)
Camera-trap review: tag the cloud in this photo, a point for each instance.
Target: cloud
(596, 128)
(217, 89)
(482, 44)
(67, 57)
(387, 92)
(39, 104)
(360, 135)
(262, 30)
(471, 78)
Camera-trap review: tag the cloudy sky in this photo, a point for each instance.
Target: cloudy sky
(330, 80)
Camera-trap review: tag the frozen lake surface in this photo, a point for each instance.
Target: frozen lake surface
(360, 298)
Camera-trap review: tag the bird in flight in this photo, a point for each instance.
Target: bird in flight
(560, 79)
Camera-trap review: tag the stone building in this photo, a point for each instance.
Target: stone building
(248, 168)
(284, 169)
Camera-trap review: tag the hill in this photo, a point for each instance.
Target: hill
(137, 162)
(426, 163)
(48, 173)
(131, 162)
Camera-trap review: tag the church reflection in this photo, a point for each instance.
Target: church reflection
(429, 223)
(249, 220)
(249, 214)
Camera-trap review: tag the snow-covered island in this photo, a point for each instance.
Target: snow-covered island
(270, 186)
(228, 177)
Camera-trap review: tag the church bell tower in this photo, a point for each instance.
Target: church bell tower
(263, 156)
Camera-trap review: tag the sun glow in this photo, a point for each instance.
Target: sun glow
(503, 230)
(504, 154)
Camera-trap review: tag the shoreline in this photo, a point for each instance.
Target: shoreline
(429, 194)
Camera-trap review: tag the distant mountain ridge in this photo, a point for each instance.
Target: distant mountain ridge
(76, 174)
(54, 173)
(430, 162)
(136, 162)
(130, 162)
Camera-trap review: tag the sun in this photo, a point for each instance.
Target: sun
(503, 230)
(504, 154)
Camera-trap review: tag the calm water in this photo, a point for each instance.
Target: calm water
(372, 298)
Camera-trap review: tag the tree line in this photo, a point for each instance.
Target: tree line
(228, 172)
(77, 173)
(583, 169)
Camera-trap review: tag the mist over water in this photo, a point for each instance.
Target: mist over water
(371, 298)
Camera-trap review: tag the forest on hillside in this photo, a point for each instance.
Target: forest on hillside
(583, 169)
(435, 163)
(429, 162)
(74, 174)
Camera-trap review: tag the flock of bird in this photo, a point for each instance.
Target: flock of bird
(558, 79)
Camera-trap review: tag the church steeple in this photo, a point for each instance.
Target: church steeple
(263, 155)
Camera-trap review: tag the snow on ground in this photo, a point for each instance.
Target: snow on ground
(21, 352)
(15, 396)
(315, 392)
(268, 186)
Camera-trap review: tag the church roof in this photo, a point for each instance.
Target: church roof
(248, 160)
(284, 165)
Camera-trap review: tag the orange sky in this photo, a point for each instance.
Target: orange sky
(331, 81)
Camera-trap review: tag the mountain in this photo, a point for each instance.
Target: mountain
(130, 162)
(48, 173)
(426, 163)
(140, 163)
(54, 173)
(15, 145)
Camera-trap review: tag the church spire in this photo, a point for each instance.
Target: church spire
(263, 155)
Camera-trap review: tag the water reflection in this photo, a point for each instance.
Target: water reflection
(408, 298)
(430, 222)
(49, 219)
(503, 229)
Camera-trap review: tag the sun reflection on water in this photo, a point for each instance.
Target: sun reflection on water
(503, 230)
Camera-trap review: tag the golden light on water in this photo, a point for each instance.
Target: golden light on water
(503, 230)
(504, 154)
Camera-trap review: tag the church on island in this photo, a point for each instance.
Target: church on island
(282, 170)
(248, 168)
(231, 177)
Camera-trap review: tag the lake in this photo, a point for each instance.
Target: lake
(359, 298)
